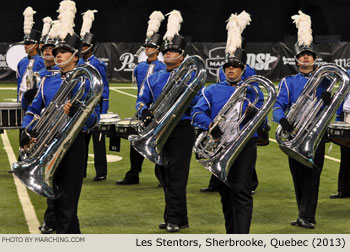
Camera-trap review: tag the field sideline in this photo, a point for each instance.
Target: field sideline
(105, 208)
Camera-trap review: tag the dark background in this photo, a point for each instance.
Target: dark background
(204, 21)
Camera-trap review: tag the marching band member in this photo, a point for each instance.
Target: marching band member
(214, 182)
(344, 171)
(141, 72)
(32, 62)
(178, 147)
(47, 44)
(89, 43)
(237, 200)
(306, 180)
(69, 175)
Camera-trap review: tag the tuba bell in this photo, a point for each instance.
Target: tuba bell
(57, 131)
(219, 155)
(309, 117)
(169, 107)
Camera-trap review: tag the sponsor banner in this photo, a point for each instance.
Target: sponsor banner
(272, 60)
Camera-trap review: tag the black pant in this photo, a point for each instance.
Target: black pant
(237, 200)
(178, 151)
(69, 179)
(215, 183)
(136, 160)
(306, 183)
(344, 171)
(100, 158)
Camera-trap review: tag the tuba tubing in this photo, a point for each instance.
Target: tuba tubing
(218, 156)
(168, 109)
(57, 131)
(310, 118)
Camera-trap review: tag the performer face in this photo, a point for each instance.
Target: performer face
(64, 56)
(151, 52)
(47, 55)
(306, 61)
(233, 73)
(172, 59)
(86, 51)
(31, 49)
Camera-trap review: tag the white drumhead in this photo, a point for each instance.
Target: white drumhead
(108, 121)
(109, 115)
(14, 54)
(340, 125)
(126, 123)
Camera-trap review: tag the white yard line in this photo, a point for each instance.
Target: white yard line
(28, 209)
(116, 90)
(326, 156)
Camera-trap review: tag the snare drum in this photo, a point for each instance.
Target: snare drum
(339, 133)
(127, 127)
(108, 124)
(11, 115)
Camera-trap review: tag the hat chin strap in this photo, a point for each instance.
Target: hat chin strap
(153, 52)
(28, 50)
(170, 59)
(48, 57)
(305, 64)
(238, 78)
(67, 61)
(87, 49)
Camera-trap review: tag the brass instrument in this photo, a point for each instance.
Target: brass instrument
(218, 155)
(169, 107)
(57, 131)
(310, 117)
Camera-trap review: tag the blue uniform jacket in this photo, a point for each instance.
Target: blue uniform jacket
(290, 88)
(101, 67)
(42, 72)
(144, 69)
(213, 99)
(47, 91)
(248, 72)
(153, 88)
(22, 67)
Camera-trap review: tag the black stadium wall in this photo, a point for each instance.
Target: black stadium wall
(121, 26)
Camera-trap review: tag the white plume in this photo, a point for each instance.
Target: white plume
(55, 28)
(244, 20)
(88, 18)
(303, 24)
(235, 26)
(174, 24)
(28, 20)
(66, 17)
(155, 19)
(46, 27)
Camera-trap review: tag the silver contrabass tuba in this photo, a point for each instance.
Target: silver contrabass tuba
(56, 131)
(218, 155)
(310, 117)
(169, 107)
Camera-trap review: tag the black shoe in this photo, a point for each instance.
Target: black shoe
(338, 195)
(163, 226)
(301, 222)
(208, 189)
(127, 182)
(44, 229)
(252, 192)
(171, 227)
(10, 171)
(160, 185)
(99, 178)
